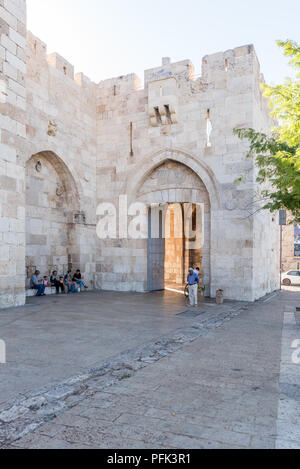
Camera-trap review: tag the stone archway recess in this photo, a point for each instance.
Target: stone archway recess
(135, 180)
(193, 183)
(52, 212)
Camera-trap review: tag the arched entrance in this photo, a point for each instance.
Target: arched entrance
(179, 225)
(52, 209)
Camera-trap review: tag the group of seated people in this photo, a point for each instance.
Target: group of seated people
(66, 284)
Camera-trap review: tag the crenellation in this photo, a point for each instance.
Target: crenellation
(119, 86)
(36, 47)
(58, 62)
(82, 80)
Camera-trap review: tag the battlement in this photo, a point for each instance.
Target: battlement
(61, 64)
(119, 85)
(241, 60)
(168, 69)
(37, 49)
(236, 62)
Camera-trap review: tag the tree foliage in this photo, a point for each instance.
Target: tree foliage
(278, 156)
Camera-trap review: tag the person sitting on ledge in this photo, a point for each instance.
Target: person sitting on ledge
(35, 284)
(45, 281)
(57, 282)
(69, 282)
(79, 279)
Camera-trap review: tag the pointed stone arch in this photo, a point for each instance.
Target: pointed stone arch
(175, 177)
(53, 215)
(71, 184)
(206, 175)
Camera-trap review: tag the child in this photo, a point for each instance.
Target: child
(45, 281)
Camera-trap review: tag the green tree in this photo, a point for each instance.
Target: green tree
(278, 156)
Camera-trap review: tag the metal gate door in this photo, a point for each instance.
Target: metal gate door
(156, 250)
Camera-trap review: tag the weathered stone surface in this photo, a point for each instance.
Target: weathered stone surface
(26, 414)
(231, 387)
(67, 144)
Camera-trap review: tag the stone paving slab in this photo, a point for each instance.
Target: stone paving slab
(232, 385)
(288, 423)
(22, 416)
(54, 338)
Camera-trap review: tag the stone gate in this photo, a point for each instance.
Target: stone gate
(68, 145)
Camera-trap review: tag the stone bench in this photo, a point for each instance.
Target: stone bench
(48, 291)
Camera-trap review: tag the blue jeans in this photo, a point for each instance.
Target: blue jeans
(80, 283)
(40, 289)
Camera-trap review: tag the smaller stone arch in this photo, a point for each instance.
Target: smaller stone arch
(71, 186)
(53, 213)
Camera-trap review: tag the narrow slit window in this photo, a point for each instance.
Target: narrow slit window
(131, 139)
(160, 225)
(168, 114)
(209, 129)
(226, 65)
(158, 116)
(115, 90)
(65, 70)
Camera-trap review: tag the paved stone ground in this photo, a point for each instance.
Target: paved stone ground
(288, 423)
(53, 338)
(219, 382)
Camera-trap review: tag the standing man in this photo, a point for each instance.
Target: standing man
(35, 284)
(193, 280)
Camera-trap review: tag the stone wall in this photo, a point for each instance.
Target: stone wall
(61, 135)
(171, 119)
(12, 151)
(266, 264)
(67, 145)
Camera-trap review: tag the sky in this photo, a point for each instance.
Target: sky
(109, 38)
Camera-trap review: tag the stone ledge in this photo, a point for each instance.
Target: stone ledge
(48, 291)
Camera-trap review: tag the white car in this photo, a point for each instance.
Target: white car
(291, 278)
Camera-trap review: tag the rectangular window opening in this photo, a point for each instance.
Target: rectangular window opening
(168, 113)
(158, 116)
(131, 139)
(209, 129)
(226, 65)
